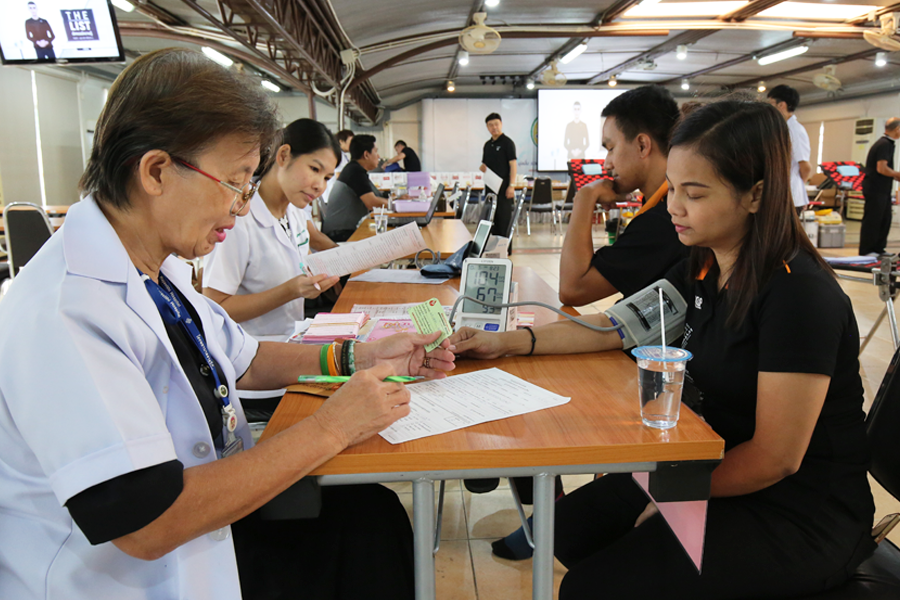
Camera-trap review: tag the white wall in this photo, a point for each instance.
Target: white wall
(838, 117)
(453, 132)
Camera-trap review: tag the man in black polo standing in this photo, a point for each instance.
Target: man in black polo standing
(880, 176)
(500, 157)
(40, 33)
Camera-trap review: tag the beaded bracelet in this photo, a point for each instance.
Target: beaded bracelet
(323, 360)
(351, 357)
(345, 360)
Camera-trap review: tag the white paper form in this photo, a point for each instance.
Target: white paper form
(368, 253)
(493, 181)
(456, 402)
(396, 276)
(390, 311)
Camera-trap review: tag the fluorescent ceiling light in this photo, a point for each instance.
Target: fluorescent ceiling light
(681, 52)
(789, 53)
(818, 11)
(463, 58)
(270, 86)
(491, 3)
(683, 9)
(123, 5)
(529, 83)
(218, 57)
(574, 53)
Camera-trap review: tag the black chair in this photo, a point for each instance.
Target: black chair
(540, 202)
(514, 223)
(568, 204)
(27, 228)
(878, 578)
(488, 208)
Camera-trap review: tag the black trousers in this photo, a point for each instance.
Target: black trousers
(749, 553)
(503, 216)
(341, 235)
(876, 224)
(360, 546)
(45, 53)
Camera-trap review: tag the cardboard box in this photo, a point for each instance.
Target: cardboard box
(832, 236)
(855, 209)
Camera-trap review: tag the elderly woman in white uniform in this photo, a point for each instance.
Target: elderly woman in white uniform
(126, 465)
(257, 274)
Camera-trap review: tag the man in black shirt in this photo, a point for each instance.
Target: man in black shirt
(880, 176)
(636, 135)
(353, 196)
(499, 156)
(411, 162)
(40, 33)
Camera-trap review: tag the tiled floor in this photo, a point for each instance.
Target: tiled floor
(466, 569)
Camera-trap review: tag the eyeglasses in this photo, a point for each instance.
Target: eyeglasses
(241, 195)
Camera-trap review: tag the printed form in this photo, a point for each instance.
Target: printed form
(368, 253)
(456, 402)
(390, 311)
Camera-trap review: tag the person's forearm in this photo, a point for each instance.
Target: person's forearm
(748, 468)
(563, 337)
(805, 170)
(513, 172)
(278, 365)
(219, 493)
(577, 251)
(318, 241)
(372, 201)
(243, 307)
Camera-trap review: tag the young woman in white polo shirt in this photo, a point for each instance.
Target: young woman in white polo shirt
(257, 274)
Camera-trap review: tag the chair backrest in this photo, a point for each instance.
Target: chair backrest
(520, 201)
(542, 192)
(882, 426)
(570, 192)
(489, 208)
(27, 228)
(463, 202)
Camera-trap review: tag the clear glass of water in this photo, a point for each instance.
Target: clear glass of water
(660, 382)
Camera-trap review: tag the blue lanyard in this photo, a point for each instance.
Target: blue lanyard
(173, 312)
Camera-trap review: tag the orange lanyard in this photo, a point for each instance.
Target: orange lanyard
(655, 198)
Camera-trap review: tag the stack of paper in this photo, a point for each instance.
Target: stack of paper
(328, 327)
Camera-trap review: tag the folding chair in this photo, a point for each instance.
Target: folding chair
(27, 228)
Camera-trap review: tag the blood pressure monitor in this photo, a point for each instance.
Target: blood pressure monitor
(490, 280)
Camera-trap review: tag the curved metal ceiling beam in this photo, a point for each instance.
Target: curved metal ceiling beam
(365, 75)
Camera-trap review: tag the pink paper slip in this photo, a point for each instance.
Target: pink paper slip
(686, 519)
(387, 327)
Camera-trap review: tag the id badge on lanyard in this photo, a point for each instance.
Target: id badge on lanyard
(173, 312)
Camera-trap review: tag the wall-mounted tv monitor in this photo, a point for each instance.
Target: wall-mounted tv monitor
(59, 32)
(569, 125)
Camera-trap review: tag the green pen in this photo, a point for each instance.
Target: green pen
(343, 378)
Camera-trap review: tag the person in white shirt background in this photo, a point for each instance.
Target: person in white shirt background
(127, 469)
(786, 99)
(257, 274)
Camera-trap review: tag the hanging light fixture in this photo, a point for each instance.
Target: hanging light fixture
(685, 84)
(451, 87)
(463, 58)
(881, 59)
(681, 52)
(529, 83)
(612, 81)
(761, 87)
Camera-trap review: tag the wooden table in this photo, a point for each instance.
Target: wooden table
(444, 236)
(598, 431)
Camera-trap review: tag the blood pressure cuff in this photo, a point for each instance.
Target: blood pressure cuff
(639, 315)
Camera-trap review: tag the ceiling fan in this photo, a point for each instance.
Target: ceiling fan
(885, 39)
(828, 80)
(479, 38)
(553, 76)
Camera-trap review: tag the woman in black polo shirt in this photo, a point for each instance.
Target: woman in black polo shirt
(791, 509)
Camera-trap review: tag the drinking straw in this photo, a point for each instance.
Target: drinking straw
(662, 321)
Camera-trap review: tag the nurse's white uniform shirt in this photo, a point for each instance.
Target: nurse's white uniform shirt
(258, 255)
(799, 152)
(91, 389)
